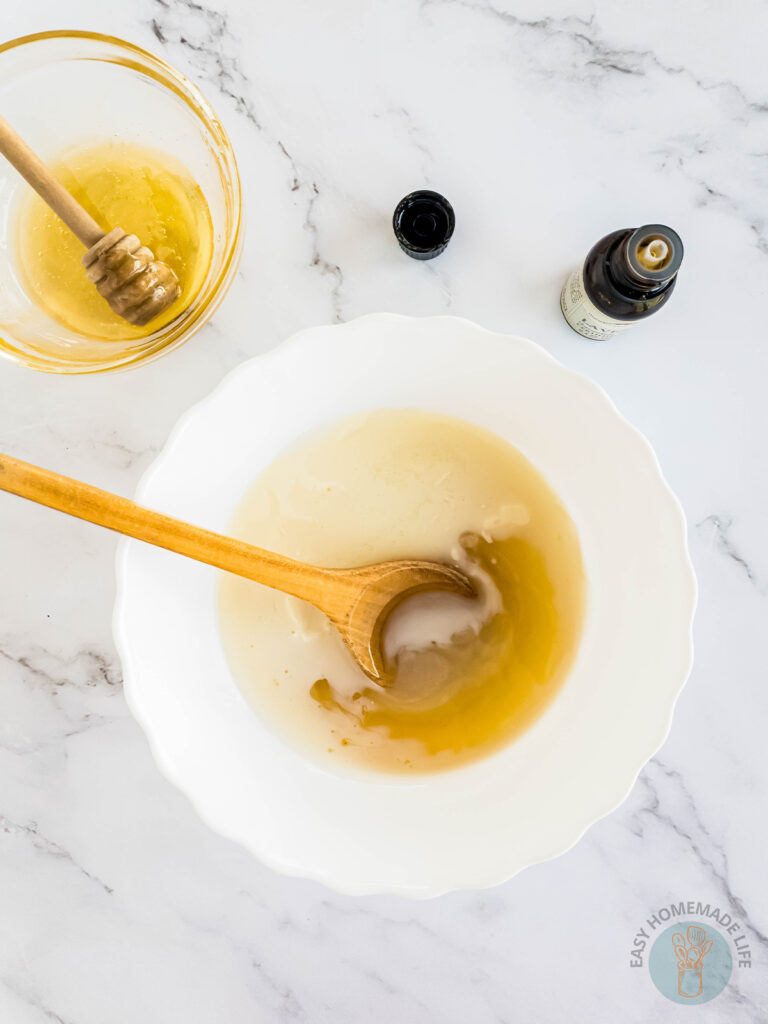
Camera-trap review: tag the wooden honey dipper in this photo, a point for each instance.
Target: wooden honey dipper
(136, 285)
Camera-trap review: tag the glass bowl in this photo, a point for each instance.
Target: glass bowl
(61, 90)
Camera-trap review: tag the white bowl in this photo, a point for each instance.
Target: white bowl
(474, 826)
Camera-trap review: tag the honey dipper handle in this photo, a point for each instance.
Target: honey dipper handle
(34, 171)
(96, 506)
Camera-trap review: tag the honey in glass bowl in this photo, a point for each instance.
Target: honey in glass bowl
(149, 194)
(110, 101)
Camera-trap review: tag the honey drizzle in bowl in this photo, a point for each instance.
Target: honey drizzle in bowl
(454, 696)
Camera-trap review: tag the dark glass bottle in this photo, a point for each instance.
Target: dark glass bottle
(627, 276)
(423, 222)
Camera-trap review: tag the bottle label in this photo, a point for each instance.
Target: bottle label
(582, 314)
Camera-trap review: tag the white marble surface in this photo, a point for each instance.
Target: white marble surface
(546, 125)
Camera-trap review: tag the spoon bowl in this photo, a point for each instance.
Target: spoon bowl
(374, 593)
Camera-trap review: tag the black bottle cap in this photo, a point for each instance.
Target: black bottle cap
(423, 223)
(654, 253)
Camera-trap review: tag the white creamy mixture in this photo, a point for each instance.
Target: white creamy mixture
(471, 674)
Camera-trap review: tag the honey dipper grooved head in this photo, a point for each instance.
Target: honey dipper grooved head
(136, 285)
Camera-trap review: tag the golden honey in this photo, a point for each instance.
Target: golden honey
(121, 184)
(467, 676)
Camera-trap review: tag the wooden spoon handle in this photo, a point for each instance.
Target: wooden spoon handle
(34, 171)
(126, 517)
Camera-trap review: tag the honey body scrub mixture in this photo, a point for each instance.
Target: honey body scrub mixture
(468, 676)
(121, 184)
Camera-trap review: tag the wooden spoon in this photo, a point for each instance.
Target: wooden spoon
(357, 601)
(136, 285)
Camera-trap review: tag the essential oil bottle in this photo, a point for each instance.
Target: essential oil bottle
(423, 223)
(626, 277)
